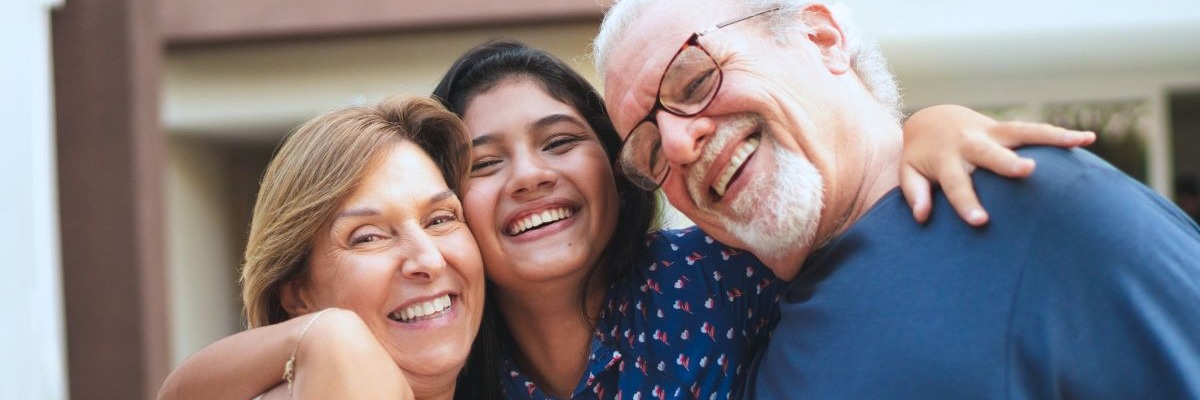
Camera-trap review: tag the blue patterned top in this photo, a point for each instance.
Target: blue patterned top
(682, 326)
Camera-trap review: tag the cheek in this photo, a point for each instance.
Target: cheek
(461, 251)
(349, 288)
(479, 203)
(676, 191)
(598, 174)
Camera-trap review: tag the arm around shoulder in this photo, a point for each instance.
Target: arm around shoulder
(346, 361)
(251, 362)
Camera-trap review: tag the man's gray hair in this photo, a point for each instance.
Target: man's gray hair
(866, 60)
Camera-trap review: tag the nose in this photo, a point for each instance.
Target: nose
(530, 174)
(422, 260)
(683, 138)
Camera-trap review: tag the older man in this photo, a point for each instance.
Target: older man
(775, 127)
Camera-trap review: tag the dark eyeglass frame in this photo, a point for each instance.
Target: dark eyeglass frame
(648, 182)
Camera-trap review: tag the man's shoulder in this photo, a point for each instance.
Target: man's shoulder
(1076, 211)
(1071, 184)
(1089, 218)
(1056, 170)
(1109, 288)
(1062, 160)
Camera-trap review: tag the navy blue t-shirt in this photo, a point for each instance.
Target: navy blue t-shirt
(1085, 284)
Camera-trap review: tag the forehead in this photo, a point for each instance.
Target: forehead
(404, 171)
(512, 104)
(636, 63)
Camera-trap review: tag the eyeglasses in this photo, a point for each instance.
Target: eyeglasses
(687, 87)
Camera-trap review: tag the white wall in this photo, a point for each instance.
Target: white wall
(32, 357)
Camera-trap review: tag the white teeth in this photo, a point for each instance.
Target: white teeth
(739, 156)
(537, 219)
(422, 310)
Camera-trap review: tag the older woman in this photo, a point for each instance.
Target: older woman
(354, 216)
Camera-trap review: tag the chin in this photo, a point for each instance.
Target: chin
(437, 361)
(548, 265)
(780, 213)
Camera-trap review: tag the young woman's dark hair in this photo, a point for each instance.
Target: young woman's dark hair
(493, 63)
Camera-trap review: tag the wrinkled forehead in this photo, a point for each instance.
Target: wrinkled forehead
(635, 64)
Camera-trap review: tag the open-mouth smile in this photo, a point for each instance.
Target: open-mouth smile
(538, 220)
(422, 311)
(733, 169)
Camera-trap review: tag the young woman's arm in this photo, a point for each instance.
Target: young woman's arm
(338, 355)
(945, 143)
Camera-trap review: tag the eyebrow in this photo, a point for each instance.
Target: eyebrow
(553, 119)
(436, 198)
(541, 123)
(370, 212)
(483, 139)
(357, 212)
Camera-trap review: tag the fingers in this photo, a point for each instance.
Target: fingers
(1016, 134)
(992, 156)
(956, 183)
(916, 190)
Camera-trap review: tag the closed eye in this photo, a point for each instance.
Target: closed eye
(562, 143)
(483, 165)
(699, 85)
(365, 238)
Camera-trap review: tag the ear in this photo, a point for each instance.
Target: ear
(295, 297)
(826, 34)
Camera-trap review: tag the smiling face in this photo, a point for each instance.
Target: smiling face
(398, 253)
(541, 200)
(756, 167)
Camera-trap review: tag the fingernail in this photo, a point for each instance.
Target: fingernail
(1022, 165)
(976, 216)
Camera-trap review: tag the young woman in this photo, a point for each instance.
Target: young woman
(589, 302)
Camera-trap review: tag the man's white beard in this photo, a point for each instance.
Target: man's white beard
(778, 212)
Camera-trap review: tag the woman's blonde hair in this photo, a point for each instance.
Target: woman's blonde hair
(316, 167)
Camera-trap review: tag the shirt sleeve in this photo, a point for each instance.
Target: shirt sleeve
(1111, 310)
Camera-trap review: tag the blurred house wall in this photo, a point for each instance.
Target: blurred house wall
(204, 249)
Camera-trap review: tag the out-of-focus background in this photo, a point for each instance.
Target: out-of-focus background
(136, 132)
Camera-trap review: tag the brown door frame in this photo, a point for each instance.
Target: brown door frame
(108, 56)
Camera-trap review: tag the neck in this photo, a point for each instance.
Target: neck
(871, 171)
(552, 332)
(867, 169)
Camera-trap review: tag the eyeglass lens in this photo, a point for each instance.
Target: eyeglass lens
(642, 162)
(690, 82)
(688, 86)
